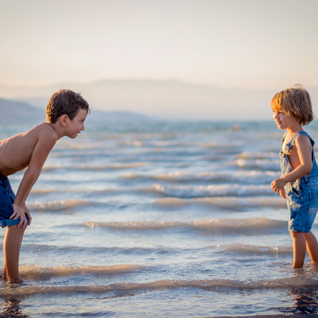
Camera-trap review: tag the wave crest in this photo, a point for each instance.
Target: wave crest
(44, 273)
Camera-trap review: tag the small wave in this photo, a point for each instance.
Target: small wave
(212, 190)
(135, 143)
(241, 225)
(232, 203)
(136, 225)
(117, 166)
(242, 177)
(260, 164)
(43, 191)
(254, 249)
(51, 167)
(211, 285)
(35, 248)
(231, 248)
(43, 273)
(78, 190)
(258, 155)
(56, 205)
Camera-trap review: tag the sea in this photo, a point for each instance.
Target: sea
(160, 219)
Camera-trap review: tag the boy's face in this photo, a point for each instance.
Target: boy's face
(76, 125)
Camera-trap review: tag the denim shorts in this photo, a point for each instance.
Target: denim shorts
(303, 206)
(7, 197)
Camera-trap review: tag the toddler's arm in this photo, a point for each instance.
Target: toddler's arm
(304, 152)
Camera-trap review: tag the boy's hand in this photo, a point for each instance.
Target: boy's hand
(19, 213)
(26, 210)
(278, 185)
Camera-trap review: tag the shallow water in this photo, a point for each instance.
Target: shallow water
(160, 219)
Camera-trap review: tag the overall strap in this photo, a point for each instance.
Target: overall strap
(298, 134)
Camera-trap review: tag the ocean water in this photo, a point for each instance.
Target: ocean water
(160, 219)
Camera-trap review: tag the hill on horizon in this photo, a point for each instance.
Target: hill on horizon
(20, 112)
(169, 99)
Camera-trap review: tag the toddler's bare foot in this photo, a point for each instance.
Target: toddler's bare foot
(313, 264)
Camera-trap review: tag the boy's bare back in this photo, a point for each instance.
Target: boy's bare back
(27, 149)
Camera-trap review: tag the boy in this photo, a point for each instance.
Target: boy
(66, 112)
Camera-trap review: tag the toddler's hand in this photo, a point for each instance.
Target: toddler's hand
(19, 213)
(282, 193)
(278, 185)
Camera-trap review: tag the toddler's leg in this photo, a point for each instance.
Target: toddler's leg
(299, 248)
(11, 248)
(312, 247)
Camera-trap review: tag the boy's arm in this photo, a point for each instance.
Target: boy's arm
(41, 151)
(304, 151)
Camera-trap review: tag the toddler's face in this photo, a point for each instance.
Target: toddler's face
(283, 120)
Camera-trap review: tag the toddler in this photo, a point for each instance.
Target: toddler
(298, 183)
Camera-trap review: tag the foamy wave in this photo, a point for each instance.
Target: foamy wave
(43, 191)
(258, 155)
(35, 248)
(56, 205)
(232, 203)
(213, 190)
(212, 284)
(43, 273)
(242, 249)
(51, 167)
(117, 166)
(136, 225)
(244, 177)
(254, 249)
(261, 164)
(205, 224)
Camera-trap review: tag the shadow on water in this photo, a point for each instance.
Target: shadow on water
(11, 308)
(306, 301)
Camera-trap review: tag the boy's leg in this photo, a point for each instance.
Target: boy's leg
(299, 248)
(11, 249)
(312, 247)
(5, 275)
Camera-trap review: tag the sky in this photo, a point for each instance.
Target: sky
(250, 44)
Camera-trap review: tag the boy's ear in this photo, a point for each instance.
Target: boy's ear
(63, 120)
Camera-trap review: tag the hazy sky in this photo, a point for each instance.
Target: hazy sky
(228, 43)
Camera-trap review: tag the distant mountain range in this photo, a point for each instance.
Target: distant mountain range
(171, 99)
(19, 112)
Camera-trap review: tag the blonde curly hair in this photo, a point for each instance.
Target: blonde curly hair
(294, 101)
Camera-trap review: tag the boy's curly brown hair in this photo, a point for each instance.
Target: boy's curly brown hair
(66, 102)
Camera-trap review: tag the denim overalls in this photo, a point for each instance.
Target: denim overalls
(302, 194)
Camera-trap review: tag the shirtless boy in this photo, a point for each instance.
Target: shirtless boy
(66, 112)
